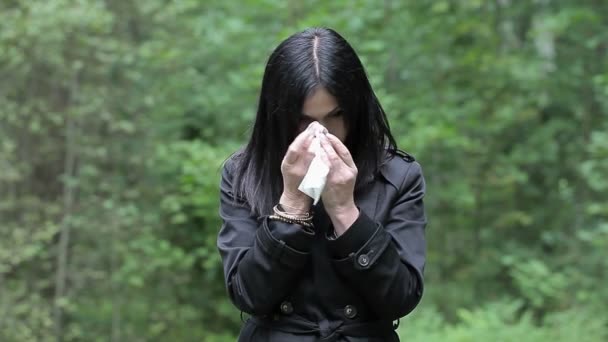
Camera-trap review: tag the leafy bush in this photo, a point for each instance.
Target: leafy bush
(504, 321)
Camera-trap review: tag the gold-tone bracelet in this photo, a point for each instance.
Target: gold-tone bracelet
(299, 217)
(286, 220)
(281, 206)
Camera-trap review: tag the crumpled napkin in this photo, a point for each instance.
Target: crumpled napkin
(316, 176)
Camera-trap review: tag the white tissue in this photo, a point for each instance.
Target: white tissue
(316, 176)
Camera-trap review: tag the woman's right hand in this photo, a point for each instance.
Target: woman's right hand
(294, 167)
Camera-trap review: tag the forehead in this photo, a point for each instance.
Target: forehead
(319, 103)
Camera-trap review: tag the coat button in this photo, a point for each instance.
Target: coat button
(363, 260)
(350, 311)
(286, 308)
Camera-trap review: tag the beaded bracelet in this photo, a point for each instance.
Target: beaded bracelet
(288, 220)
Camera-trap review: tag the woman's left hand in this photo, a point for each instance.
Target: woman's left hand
(338, 196)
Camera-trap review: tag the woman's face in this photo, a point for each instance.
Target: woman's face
(322, 107)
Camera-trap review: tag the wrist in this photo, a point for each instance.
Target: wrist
(295, 203)
(343, 217)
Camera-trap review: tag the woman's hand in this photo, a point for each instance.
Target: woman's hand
(294, 167)
(338, 196)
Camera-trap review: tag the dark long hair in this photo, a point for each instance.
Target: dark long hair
(316, 57)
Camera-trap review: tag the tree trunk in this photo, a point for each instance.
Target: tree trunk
(64, 233)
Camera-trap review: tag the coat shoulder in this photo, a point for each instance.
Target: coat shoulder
(405, 156)
(233, 162)
(398, 166)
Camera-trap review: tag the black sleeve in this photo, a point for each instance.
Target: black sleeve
(385, 263)
(261, 257)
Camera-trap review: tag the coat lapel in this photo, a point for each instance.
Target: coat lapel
(367, 199)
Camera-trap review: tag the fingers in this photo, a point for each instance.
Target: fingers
(330, 153)
(298, 146)
(323, 155)
(341, 150)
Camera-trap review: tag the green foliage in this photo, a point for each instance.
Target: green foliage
(116, 116)
(504, 321)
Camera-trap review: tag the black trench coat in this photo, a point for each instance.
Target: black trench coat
(303, 286)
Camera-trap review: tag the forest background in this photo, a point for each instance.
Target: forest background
(116, 115)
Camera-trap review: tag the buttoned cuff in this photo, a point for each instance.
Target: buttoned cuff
(285, 242)
(362, 244)
(354, 238)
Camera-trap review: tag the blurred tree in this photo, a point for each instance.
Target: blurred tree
(115, 117)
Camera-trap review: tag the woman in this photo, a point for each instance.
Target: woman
(346, 268)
